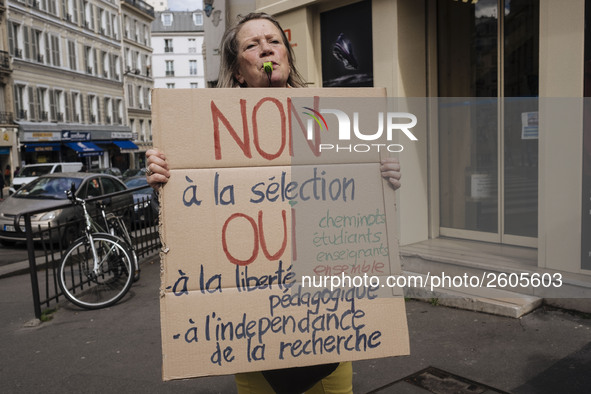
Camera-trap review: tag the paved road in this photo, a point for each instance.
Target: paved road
(16, 253)
(118, 349)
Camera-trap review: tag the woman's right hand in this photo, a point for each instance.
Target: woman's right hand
(158, 168)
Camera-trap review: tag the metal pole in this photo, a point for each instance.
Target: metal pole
(32, 266)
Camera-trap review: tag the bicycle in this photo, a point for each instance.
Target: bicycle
(98, 269)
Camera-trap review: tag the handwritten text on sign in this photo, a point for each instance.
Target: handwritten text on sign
(239, 239)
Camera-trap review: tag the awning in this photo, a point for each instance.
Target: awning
(43, 147)
(85, 149)
(126, 144)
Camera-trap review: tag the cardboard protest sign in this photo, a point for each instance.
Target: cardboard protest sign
(258, 226)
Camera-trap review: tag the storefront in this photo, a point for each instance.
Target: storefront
(97, 147)
(497, 161)
(8, 151)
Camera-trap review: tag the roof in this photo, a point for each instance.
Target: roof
(182, 21)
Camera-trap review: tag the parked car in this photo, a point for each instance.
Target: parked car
(131, 172)
(145, 202)
(30, 172)
(50, 191)
(110, 171)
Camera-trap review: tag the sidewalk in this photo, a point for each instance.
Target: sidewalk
(118, 349)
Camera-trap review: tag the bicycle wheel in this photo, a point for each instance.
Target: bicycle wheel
(101, 287)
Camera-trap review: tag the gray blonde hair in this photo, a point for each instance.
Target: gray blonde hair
(229, 49)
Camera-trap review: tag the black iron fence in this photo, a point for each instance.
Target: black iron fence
(6, 117)
(140, 215)
(142, 6)
(4, 60)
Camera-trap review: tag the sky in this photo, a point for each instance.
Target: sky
(184, 5)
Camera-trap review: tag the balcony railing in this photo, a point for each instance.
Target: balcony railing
(170, 73)
(142, 6)
(22, 114)
(6, 117)
(168, 49)
(60, 117)
(4, 59)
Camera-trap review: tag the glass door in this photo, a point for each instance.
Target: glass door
(488, 140)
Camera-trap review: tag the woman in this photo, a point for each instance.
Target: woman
(257, 39)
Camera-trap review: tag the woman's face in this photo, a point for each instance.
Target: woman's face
(260, 41)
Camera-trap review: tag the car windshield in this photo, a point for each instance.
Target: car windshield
(34, 171)
(48, 188)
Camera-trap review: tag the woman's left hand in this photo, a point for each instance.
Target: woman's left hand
(390, 169)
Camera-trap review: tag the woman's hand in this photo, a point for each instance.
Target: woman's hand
(390, 169)
(157, 167)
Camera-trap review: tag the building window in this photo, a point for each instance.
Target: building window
(168, 45)
(192, 45)
(31, 98)
(72, 11)
(76, 107)
(108, 111)
(42, 110)
(193, 67)
(130, 95)
(19, 102)
(147, 100)
(140, 97)
(126, 34)
(170, 68)
(197, 18)
(93, 110)
(15, 41)
(68, 103)
(115, 67)
(106, 64)
(56, 105)
(119, 111)
(52, 7)
(72, 55)
(55, 51)
(88, 15)
(194, 85)
(142, 131)
(170, 85)
(115, 25)
(167, 19)
(88, 59)
(36, 40)
(146, 35)
(127, 59)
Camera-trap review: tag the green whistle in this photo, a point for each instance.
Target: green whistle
(268, 66)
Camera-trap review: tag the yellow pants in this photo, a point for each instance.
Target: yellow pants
(338, 382)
